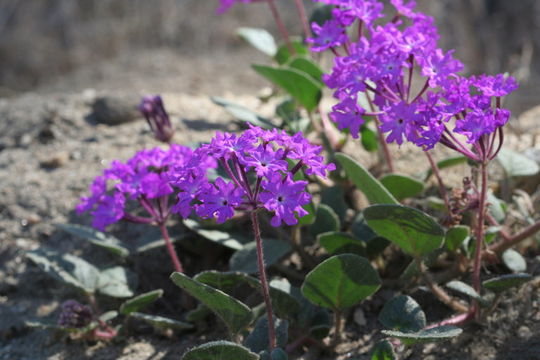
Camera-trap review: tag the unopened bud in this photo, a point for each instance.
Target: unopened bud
(154, 112)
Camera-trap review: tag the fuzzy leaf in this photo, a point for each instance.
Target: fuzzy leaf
(514, 261)
(242, 113)
(341, 243)
(326, 220)
(371, 187)
(245, 260)
(235, 242)
(234, 313)
(260, 39)
(404, 314)
(307, 66)
(402, 186)
(429, 335)
(516, 164)
(257, 340)
(160, 322)
(96, 237)
(505, 282)
(117, 282)
(455, 236)
(283, 54)
(220, 350)
(383, 350)
(415, 232)
(467, 290)
(139, 302)
(341, 282)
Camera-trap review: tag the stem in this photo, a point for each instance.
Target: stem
(302, 12)
(480, 231)
(264, 281)
(502, 246)
(437, 173)
(382, 141)
(338, 324)
(170, 248)
(438, 291)
(281, 26)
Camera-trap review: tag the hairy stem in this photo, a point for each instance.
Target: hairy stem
(338, 325)
(382, 141)
(438, 291)
(480, 230)
(437, 173)
(170, 248)
(264, 281)
(281, 26)
(302, 13)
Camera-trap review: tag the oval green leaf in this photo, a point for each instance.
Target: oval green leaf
(139, 302)
(415, 232)
(341, 282)
(383, 350)
(160, 322)
(365, 182)
(260, 39)
(257, 340)
(402, 186)
(455, 236)
(235, 314)
(505, 282)
(117, 282)
(283, 54)
(439, 333)
(66, 268)
(325, 220)
(220, 350)
(307, 66)
(245, 260)
(98, 238)
(403, 313)
(516, 164)
(341, 243)
(467, 290)
(297, 83)
(235, 242)
(514, 261)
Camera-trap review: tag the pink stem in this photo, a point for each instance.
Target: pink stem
(170, 248)
(281, 26)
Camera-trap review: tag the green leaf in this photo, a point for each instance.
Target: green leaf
(341, 243)
(341, 282)
(284, 303)
(334, 196)
(98, 238)
(298, 84)
(369, 139)
(415, 232)
(514, 261)
(234, 313)
(402, 186)
(66, 268)
(309, 218)
(283, 54)
(444, 332)
(257, 340)
(279, 354)
(232, 241)
(245, 260)
(505, 282)
(200, 313)
(404, 314)
(220, 350)
(326, 220)
(160, 322)
(383, 350)
(448, 162)
(242, 113)
(455, 236)
(371, 187)
(515, 164)
(139, 302)
(467, 290)
(307, 66)
(260, 39)
(496, 207)
(117, 282)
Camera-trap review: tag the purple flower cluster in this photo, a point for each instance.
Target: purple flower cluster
(378, 65)
(75, 315)
(260, 165)
(143, 178)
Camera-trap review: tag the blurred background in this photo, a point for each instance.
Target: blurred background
(43, 42)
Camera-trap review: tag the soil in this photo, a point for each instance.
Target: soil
(52, 146)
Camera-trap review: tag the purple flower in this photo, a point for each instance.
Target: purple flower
(284, 198)
(109, 211)
(75, 315)
(264, 160)
(405, 9)
(154, 112)
(330, 35)
(399, 120)
(439, 66)
(219, 200)
(348, 115)
(498, 85)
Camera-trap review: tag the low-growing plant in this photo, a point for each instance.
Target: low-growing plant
(391, 83)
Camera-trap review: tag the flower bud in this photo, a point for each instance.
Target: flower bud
(154, 112)
(75, 315)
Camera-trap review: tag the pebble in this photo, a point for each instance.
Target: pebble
(524, 332)
(115, 110)
(359, 317)
(55, 161)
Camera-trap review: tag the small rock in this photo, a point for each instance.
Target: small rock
(359, 317)
(115, 110)
(524, 332)
(55, 161)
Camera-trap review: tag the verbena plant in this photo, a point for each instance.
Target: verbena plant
(391, 84)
